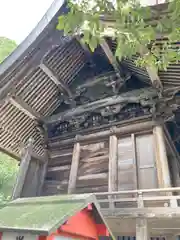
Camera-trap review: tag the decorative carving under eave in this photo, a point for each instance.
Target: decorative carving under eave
(104, 116)
(107, 111)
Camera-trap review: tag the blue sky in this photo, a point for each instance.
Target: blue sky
(19, 17)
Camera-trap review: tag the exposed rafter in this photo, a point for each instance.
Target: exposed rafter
(23, 106)
(63, 87)
(110, 56)
(152, 72)
(84, 46)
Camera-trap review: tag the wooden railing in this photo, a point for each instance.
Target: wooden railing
(148, 202)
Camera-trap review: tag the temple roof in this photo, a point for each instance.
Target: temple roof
(48, 67)
(42, 215)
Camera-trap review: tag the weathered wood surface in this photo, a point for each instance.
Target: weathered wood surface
(161, 158)
(92, 171)
(31, 183)
(113, 163)
(128, 97)
(23, 170)
(123, 130)
(74, 168)
(24, 107)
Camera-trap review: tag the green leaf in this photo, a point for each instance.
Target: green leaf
(130, 28)
(93, 43)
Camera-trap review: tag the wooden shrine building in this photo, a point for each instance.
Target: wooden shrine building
(82, 122)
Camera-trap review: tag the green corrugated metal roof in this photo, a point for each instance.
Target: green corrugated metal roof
(41, 215)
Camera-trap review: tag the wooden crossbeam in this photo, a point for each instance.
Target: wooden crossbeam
(132, 96)
(55, 79)
(24, 107)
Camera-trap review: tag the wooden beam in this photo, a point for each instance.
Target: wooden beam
(24, 107)
(161, 158)
(149, 212)
(74, 168)
(55, 79)
(134, 96)
(111, 57)
(113, 162)
(122, 130)
(24, 166)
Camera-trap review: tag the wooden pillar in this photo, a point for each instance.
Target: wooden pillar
(142, 229)
(74, 168)
(42, 176)
(161, 158)
(44, 166)
(113, 163)
(23, 169)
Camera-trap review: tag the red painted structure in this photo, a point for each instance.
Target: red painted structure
(81, 226)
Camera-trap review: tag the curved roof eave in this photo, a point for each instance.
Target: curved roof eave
(35, 36)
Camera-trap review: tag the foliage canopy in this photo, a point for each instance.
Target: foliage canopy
(6, 47)
(135, 28)
(8, 171)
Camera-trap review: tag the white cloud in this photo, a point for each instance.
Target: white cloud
(19, 17)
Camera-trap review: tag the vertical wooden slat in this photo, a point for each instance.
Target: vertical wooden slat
(74, 168)
(135, 161)
(25, 162)
(113, 162)
(161, 158)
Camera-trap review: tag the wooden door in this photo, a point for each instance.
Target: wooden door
(126, 165)
(145, 152)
